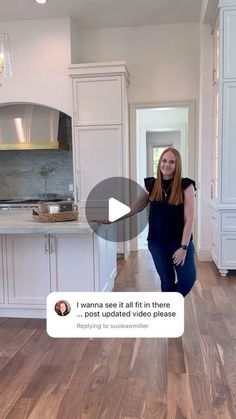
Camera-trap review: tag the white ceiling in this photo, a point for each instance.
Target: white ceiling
(105, 13)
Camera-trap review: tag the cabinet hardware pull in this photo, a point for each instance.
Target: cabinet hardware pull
(52, 247)
(214, 76)
(212, 186)
(77, 180)
(46, 244)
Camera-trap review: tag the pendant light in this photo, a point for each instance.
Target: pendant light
(5, 56)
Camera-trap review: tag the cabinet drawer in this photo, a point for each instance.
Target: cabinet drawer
(229, 221)
(229, 251)
(229, 34)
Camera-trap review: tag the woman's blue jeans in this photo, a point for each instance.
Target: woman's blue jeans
(186, 275)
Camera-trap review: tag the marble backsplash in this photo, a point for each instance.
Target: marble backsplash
(19, 173)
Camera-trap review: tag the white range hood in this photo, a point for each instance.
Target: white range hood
(28, 126)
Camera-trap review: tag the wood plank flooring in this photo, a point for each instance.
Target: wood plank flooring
(192, 377)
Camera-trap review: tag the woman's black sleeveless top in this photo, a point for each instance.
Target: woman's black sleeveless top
(166, 221)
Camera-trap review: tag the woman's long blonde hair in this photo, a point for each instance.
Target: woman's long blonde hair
(176, 196)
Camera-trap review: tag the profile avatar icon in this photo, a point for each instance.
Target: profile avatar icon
(62, 308)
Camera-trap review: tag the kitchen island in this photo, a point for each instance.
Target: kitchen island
(39, 258)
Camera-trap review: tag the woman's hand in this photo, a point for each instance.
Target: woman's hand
(179, 256)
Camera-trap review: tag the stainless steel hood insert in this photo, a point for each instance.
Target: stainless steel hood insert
(29, 126)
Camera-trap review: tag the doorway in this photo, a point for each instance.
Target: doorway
(152, 129)
(156, 143)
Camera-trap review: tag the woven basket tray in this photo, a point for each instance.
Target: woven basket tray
(54, 218)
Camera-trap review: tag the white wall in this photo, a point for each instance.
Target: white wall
(204, 142)
(75, 41)
(41, 55)
(163, 115)
(163, 60)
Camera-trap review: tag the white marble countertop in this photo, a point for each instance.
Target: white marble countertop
(13, 221)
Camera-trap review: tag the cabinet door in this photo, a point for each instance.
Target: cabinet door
(229, 56)
(229, 251)
(229, 222)
(97, 100)
(72, 264)
(98, 156)
(229, 144)
(106, 264)
(1, 272)
(215, 147)
(28, 269)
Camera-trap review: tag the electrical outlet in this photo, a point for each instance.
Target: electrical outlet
(71, 187)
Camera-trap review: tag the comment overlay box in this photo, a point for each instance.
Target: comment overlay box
(115, 314)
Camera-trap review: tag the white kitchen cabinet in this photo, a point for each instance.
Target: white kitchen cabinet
(28, 268)
(93, 145)
(229, 250)
(105, 264)
(223, 237)
(229, 143)
(70, 262)
(97, 100)
(38, 264)
(223, 190)
(100, 119)
(215, 145)
(228, 18)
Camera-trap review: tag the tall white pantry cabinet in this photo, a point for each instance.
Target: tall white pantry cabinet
(223, 188)
(100, 126)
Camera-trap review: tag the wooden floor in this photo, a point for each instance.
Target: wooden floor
(193, 377)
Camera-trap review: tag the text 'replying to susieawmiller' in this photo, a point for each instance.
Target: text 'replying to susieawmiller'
(115, 314)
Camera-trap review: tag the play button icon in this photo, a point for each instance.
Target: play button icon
(110, 200)
(117, 209)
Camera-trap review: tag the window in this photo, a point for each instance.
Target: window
(156, 154)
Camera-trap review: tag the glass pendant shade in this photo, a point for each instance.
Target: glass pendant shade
(5, 56)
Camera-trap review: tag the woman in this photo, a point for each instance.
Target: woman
(170, 224)
(62, 308)
(171, 216)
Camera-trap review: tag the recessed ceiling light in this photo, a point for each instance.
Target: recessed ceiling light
(41, 1)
